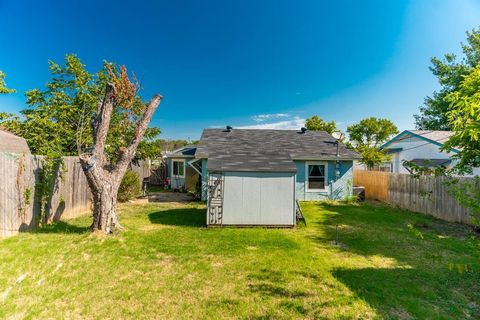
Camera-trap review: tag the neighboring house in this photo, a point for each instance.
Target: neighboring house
(254, 177)
(181, 175)
(12, 143)
(422, 147)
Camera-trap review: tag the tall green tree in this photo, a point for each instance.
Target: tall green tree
(464, 118)
(99, 117)
(58, 119)
(450, 72)
(368, 135)
(315, 123)
(3, 85)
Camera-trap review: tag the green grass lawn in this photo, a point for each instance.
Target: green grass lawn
(389, 264)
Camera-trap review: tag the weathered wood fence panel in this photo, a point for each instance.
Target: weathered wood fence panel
(20, 207)
(20, 203)
(375, 183)
(427, 194)
(143, 169)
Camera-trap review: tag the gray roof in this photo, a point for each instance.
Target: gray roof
(434, 135)
(431, 163)
(266, 150)
(251, 162)
(12, 143)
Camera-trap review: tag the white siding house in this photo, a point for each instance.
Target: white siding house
(423, 147)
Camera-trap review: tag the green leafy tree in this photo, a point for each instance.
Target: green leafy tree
(450, 72)
(3, 85)
(464, 119)
(99, 117)
(58, 119)
(368, 135)
(315, 123)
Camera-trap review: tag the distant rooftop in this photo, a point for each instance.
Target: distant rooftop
(183, 152)
(435, 135)
(12, 143)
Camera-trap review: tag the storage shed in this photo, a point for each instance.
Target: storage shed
(258, 189)
(254, 177)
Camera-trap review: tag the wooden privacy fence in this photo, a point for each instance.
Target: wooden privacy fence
(20, 203)
(427, 194)
(375, 183)
(20, 207)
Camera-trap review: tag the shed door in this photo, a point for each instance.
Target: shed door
(215, 199)
(254, 198)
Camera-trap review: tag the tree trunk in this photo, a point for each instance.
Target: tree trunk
(105, 211)
(104, 187)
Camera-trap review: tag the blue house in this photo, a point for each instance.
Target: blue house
(182, 176)
(254, 177)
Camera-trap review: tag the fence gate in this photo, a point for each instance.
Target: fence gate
(215, 198)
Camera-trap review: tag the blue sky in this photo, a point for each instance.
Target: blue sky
(244, 63)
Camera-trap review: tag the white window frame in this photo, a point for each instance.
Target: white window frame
(310, 163)
(184, 168)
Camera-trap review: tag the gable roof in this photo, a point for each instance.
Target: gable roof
(266, 150)
(12, 143)
(436, 137)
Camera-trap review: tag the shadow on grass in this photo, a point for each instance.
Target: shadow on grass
(420, 283)
(408, 237)
(62, 227)
(407, 294)
(187, 217)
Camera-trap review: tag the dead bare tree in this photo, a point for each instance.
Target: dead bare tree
(104, 176)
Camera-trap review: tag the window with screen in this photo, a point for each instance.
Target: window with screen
(316, 177)
(178, 168)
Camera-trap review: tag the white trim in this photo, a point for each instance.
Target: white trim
(324, 163)
(191, 162)
(184, 168)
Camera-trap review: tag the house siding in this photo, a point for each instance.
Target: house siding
(416, 148)
(337, 189)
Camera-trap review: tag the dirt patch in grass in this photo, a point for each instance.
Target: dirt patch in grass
(445, 229)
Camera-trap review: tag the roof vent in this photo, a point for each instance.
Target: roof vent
(229, 128)
(303, 129)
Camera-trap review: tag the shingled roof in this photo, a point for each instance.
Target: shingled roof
(434, 135)
(266, 150)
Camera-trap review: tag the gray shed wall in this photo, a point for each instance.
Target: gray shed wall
(258, 198)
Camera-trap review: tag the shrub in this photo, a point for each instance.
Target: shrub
(130, 187)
